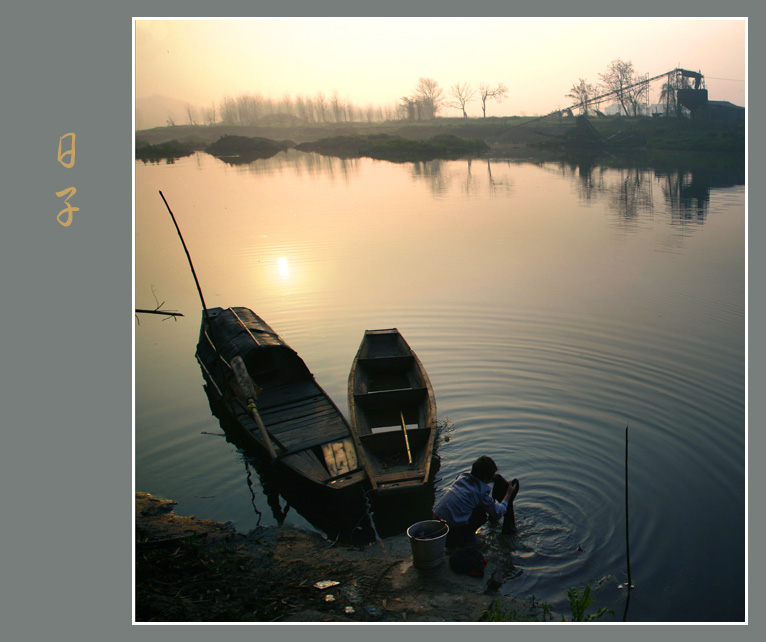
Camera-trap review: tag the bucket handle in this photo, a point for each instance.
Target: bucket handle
(436, 535)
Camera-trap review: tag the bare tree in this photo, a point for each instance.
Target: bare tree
(228, 111)
(621, 79)
(321, 107)
(462, 93)
(582, 92)
(300, 108)
(310, 110)
(407, 108)
(208, 115)
(248, 109)
(336, 106)
(430, 96)
(287, 104)
(487, 92)
(191, 114)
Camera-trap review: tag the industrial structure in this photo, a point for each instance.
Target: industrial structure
(683, 93)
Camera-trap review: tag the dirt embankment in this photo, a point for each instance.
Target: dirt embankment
(190, 570)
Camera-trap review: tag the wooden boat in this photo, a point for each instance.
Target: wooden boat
(393, 412)
(270, 393)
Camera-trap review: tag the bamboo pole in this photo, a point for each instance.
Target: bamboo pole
(243, 379)
(188, 256)
(167, 314)
(406, 439)
(627, 530)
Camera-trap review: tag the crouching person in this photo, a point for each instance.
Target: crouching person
(469, 502)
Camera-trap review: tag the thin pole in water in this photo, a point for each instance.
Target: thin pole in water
(188, 256)
(627, 530)
(214, 340)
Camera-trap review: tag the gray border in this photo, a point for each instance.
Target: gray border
(68, 434)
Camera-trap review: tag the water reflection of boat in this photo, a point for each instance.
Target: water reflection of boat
(267, 390)
(345, 519)
(393, 412)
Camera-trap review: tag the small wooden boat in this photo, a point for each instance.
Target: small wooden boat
(271, 394)
(393, 412)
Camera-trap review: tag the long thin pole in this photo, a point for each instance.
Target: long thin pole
(627, 530)
(188, 256)
(194, 274)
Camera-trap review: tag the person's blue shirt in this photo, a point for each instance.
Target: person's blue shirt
(467, 493)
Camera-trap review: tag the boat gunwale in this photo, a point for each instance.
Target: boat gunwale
(427, 404)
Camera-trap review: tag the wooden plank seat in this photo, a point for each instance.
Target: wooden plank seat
(287, 394)
(391, 478)
(387, 399)
(299, 416)
(385, 364)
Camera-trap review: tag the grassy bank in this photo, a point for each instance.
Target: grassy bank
(550, 138)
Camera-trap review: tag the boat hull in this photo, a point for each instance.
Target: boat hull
(287, 415)
(393, 413)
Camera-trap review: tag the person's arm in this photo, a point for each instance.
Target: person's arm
(509, 523)
(513, 490)
(497, 508)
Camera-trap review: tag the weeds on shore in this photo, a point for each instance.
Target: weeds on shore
(494, 612)
(578, 605)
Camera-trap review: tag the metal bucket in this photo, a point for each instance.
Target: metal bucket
(427, 540)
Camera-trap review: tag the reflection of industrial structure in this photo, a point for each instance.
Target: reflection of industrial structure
(683, 93)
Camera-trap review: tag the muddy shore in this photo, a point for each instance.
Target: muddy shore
(192, 570)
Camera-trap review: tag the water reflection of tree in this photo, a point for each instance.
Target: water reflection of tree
(441, 175)
(631, 190)
(432, 172)
(498, 185)
(632, 194)
(589, 176)
(309, 163)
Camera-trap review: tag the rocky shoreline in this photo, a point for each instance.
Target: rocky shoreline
(191, 570)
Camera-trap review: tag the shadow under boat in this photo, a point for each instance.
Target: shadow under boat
(343, 518)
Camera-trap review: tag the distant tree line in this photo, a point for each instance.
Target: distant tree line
(254, 109)
(425, 103)
(619, 84)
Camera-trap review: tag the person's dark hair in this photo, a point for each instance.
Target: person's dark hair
(484, 468)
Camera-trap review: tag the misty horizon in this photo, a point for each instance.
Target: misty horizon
(370, 65)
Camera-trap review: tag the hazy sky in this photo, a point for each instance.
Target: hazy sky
(376, 61)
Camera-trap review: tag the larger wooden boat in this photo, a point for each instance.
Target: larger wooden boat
(393, 412)
(270, 393)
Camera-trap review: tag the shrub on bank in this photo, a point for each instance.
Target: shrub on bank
(396, 148)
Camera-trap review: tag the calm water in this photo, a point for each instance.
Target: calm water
(551, 304)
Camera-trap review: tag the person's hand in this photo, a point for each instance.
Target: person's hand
(513, 490)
